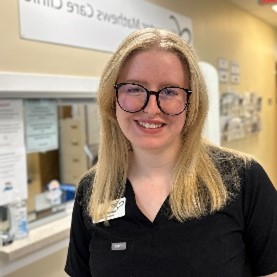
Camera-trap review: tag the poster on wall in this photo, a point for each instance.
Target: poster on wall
(13, 167)
(41, 125)
(95, 24)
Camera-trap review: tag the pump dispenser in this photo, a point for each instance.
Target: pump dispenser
(19, 219)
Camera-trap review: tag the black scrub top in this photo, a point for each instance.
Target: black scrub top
(240, 240)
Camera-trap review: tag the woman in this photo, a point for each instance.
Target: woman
(162, 201)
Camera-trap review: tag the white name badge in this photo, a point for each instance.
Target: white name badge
(118, 210)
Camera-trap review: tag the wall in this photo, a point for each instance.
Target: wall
(220, 28)
(34, 57)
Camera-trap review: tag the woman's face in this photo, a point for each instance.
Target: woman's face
(151, 129)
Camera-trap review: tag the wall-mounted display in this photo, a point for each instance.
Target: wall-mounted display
(235, 72)
(223, 70)
(228, 71)
(239, 115)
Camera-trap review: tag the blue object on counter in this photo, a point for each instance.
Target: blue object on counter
(68, 192)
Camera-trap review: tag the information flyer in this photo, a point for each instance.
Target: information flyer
(41, 125)
(13, 167)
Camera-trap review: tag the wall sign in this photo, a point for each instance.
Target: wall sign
(95, 24)
(13, 168)
(41, 125)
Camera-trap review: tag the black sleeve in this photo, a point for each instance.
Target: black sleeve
(77, 263)
(260, 212)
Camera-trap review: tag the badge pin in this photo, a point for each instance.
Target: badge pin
(118, 246)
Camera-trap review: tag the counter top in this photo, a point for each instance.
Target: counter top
(37, 239)
(40, 242)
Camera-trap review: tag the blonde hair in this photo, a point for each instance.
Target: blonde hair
(198, 186)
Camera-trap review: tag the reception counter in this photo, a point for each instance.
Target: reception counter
(42, 241)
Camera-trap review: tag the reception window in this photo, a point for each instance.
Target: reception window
(53, 127)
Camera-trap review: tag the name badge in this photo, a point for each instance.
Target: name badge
(117, 210)
(118, 246)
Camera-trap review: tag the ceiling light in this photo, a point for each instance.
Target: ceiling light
(274, 8)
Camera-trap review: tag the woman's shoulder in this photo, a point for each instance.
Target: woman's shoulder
(234, 164)
(85, 187)
(231, 164)
(229, 157)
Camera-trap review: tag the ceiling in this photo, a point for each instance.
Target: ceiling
(254, 7)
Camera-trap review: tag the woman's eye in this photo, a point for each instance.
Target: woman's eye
(134, 89)
(169, 92)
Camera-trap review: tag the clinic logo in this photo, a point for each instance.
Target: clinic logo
(182, 32)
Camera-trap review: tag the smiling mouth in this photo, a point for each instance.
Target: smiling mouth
(150, 125)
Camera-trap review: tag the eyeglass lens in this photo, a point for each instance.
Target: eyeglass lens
(133, 98)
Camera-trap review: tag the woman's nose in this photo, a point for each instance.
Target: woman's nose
(152, 105)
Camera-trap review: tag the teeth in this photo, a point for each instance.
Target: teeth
(149, 125)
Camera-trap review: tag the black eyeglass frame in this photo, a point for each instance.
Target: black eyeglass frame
(117, 86)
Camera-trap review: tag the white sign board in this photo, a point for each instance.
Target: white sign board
(13, 167)
(41, 125)
(95, 24)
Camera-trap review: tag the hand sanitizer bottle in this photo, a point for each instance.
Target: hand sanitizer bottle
(19, 220)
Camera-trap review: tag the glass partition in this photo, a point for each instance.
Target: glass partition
(53, 175)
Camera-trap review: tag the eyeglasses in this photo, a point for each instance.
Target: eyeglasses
(132, 98)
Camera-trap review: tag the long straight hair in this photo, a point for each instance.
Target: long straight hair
(197, 186)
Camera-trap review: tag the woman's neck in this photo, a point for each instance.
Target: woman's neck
(150, 174)
(152, 164)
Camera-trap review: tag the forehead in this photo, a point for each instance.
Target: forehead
(154, 66)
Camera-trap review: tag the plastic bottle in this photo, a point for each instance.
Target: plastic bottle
(19, 219)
